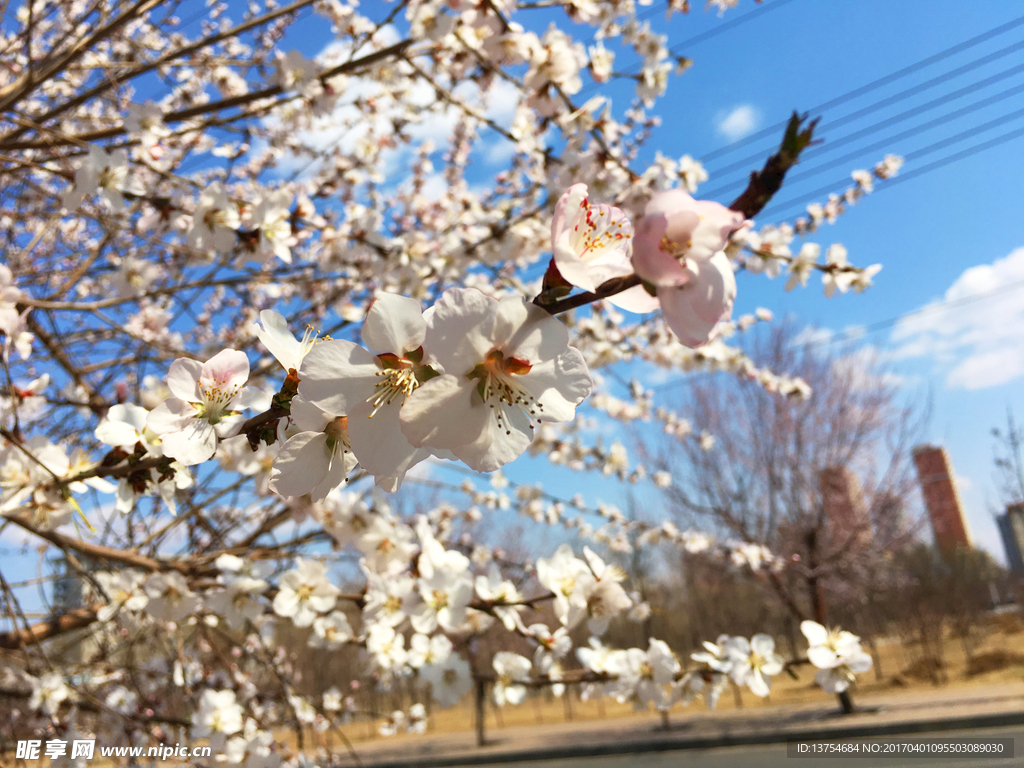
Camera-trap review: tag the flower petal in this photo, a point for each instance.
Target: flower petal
(308, 417)
(559, 385)
(116, 433)
(458, 328)
(814, 632)
(822, 657)
(651, 258)
(762, 644)
(342, 464)
(427, 419)
(394, 325)
(379, 443)
(194, 443)
(758, 684)
(636, 300)
(170, 415)
(527, 332)
(302, 463)
(183, 379)
(336, 375)
(496, 444)
(228, 369)
(859, 662)
(273, 331)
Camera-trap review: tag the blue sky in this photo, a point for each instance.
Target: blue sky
(927, 232)
(938, 235)
(944, 235)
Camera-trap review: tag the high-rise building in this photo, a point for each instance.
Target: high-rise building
(844, 506)
(935, 475)
(889, 518)
(1011, 528)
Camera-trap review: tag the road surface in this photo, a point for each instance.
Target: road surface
(775, 756)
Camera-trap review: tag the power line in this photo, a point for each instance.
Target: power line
(725, 26)
(829, 146)
(921, 129)
(885, 143)
(854, 333)
(889, 141)
(913, 174)
(873, 85)
(913, 112)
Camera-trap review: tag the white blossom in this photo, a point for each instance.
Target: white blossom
(507, 366)
(511, 669)
(305, 592)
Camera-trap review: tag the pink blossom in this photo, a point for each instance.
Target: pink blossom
(676, 229)
(207, 402)
(705, 296)
(591, 244)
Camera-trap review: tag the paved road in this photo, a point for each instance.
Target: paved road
(775, 756)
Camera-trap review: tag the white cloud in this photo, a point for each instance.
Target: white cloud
(738, 122)
(975, 332)
(865, 368)
(814, 336)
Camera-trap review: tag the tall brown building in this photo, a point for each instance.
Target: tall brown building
(1011, 528)
(935, 475)
(844, 506)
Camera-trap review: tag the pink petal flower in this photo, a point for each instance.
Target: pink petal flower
(228, 369)
(590, 241)
(676, 228)
(694, 309)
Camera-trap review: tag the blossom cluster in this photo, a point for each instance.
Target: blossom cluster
(183, 195)
(837, 654)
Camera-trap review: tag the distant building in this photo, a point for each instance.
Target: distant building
(77, 646)
(1011, 528)
(890, 519)
(844, 506)
(935, 476)
(67, 586)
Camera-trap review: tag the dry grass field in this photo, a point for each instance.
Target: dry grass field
(998, 658)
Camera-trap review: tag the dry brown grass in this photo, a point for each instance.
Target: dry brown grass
(995, 660)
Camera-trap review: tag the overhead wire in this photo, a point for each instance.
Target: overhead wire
(676, 50)
(898, 97)
(885, 123)
(776, 210)
(772, 130)
(888, 142)
(858, 332)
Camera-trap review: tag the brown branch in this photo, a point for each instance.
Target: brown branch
(124, 77)
(216, 106)
(765, 183)
(100, 552)
(44, 630)
(24, 85)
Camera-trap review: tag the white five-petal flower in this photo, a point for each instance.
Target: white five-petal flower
(370, 387)
(507, 366)
(512, 669)
(207, 403)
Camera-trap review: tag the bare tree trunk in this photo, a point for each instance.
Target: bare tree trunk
(818, 605)
(481, 697)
